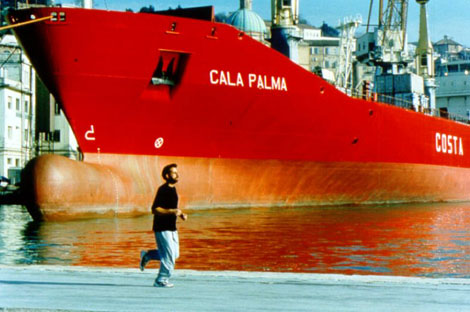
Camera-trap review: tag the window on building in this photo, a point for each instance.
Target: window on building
(10, 100)
(26, 106)
(453, 68)
(9, 161)
(465, 68)
(331, 51)
(26, 135)
(10, 132)
(424, 60)
(57, 108)
(56, 136)
(18, 104)
(286, 2)
(17, 162)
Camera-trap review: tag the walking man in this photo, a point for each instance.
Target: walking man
(165, 211)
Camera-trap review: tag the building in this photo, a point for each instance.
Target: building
(448, 49)
(31, 122)
(53, 132)
(309, 34)
(248, 21)
(318, 53)
(453, 89)
(453, 80)
(17, 107)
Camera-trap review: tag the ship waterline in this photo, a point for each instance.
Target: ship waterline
(124, 185)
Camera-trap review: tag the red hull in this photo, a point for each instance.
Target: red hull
(118, 185)
(256, 130)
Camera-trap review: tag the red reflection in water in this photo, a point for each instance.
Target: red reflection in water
(407, 240)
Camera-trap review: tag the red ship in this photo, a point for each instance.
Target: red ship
(144, 90)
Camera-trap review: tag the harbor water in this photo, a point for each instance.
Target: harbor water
(431, 240)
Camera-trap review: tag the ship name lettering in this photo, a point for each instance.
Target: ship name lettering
(223, 78)
(262, 82)
(449, 144)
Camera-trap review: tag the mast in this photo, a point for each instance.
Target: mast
(424, 56)
(88, 4)
(424, 50)
(246, 4)
(392, 34)
(285, 33)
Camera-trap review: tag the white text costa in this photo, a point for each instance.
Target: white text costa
(449, 144)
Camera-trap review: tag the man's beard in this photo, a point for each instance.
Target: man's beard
(171, 180)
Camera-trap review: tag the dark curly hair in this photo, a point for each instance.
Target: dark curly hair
(166, 170)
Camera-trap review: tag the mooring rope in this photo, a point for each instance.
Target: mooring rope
(37, 20)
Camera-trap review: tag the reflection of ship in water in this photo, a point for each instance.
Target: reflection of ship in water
(32, 249)
(20, 241)
(411, 240)
(110, 242)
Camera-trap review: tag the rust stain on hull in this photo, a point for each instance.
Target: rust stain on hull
(108, 185)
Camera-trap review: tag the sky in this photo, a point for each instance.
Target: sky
(445, 17)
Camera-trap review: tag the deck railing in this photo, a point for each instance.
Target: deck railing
(405, 104)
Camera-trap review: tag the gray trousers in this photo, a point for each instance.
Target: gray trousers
(168, 251)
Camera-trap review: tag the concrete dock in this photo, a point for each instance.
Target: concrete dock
(54, 288)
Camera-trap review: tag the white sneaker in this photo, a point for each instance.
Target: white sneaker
(165, 284)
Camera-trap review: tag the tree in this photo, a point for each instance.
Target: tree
(221, 17)
(149, 9)
(177, 8)
(328, 31)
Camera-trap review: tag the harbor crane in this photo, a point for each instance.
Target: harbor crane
(385, 50)
(344, 70)
(389, 50)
